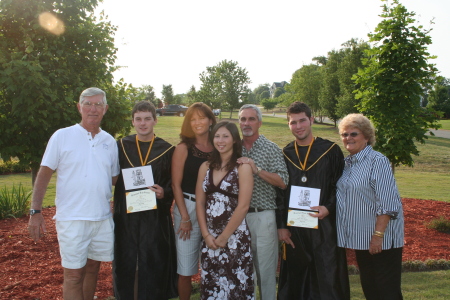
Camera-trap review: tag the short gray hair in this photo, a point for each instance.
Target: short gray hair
(254, 107)
(360, 122)
(92, 91)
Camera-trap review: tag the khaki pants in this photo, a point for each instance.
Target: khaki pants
(263, 229)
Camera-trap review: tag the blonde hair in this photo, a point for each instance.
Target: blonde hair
(360, 122)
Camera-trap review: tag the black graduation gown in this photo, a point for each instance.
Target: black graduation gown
(146, 237)
(317, 268)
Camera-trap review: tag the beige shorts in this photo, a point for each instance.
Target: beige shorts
(79, 240)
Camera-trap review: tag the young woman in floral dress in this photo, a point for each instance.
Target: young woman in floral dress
(223, 194)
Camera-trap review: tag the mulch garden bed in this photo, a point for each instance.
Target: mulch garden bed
(33, 270)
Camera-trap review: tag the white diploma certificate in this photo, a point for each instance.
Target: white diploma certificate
(301, 218)
(137, 178)
(304, 197)
(140, 200)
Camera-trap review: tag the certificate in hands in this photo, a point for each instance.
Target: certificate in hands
(140, 200)
(139, 178)
(300, 202)
(301, 218)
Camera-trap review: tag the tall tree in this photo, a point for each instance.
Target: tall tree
(353, 53)
(305, 86)
(167, 94)
(330, 91)
(149, 93)
(49, 52)
(191, 95)
(392, 82)
(226, 83)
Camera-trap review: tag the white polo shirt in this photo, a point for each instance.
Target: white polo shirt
(85, 167)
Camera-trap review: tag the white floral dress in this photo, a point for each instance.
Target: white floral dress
(227, 273)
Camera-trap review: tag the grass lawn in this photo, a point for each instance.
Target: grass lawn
(445, 124)
(415, 286)
(428, 179)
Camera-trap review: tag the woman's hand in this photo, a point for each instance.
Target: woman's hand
(221, 241)
(375, 246)
(211, 242)
(185, 229)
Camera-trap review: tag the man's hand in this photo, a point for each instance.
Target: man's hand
(249, 161)
(284, 235)
(159, 191)
(35, 225)
(323, 212)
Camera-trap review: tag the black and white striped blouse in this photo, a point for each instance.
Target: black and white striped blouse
(366, 190)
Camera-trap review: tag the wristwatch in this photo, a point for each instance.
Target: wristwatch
(258, 170)
(34, 211)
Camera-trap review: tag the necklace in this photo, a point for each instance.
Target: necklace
(144, 162)
(303, 165)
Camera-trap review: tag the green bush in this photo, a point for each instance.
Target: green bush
(441, 224)
(12, 166)
(428, 265)
(14, 202)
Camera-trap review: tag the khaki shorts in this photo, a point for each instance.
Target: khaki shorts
(80, 240)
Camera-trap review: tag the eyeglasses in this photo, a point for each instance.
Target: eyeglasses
(352, 134)
(89, 104)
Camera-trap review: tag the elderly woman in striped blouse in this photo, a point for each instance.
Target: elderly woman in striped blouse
(369, 211)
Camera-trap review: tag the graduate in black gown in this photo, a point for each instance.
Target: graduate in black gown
(145, 260)
(314, 268)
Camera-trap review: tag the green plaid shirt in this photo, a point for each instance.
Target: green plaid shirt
(269, 157)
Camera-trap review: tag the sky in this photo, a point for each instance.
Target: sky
(173, 41)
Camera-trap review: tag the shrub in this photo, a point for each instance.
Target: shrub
(441, 224)
(14, 202)
(12, 166)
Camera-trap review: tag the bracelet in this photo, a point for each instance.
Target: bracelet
(185, 221)
(379, 234)
(207, 235)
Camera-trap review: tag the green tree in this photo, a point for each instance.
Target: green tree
(305, 86)
(261, 92)
(191, 96)
(180, 99)
(331, 89)
(353, 53)
(167, 94)
(45, 68)
(149, 94)
(278, 92)
(226, 83)
(264, 95)
(439, 97)
(269, 103)
(392, 82)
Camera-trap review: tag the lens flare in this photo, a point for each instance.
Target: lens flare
(51, 23)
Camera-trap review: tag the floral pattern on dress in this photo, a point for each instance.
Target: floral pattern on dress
(227, 273)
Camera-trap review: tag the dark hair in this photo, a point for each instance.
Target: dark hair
(143, 105)
(215, 161)
(187, 134)
(298, 107)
